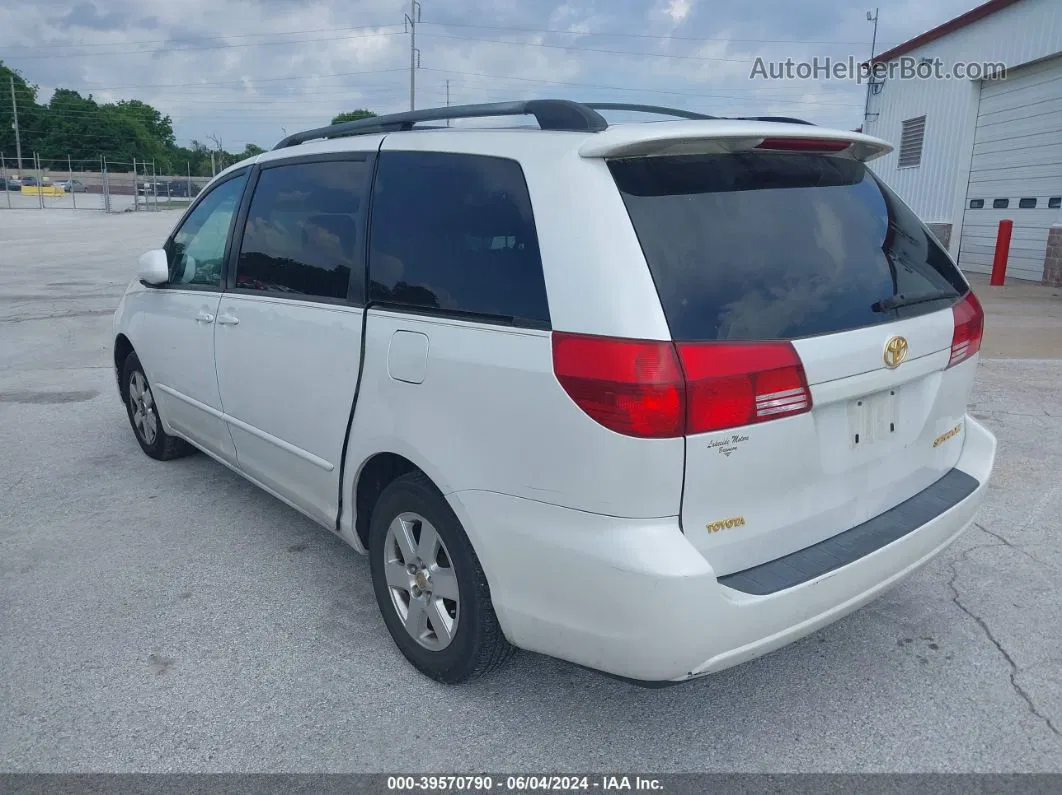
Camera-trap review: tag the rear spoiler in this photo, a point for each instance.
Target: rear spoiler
(723, 136)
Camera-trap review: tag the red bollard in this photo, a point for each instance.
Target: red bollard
(999, 262)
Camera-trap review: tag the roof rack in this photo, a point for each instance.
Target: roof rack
(551, 114)
(781, 119)
(680, 114)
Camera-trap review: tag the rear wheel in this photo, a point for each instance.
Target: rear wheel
(144, 417)
(429, 584)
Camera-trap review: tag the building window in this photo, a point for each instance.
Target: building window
(911, 137)
(1000, 204)
(1027, 204)
(977, 204)
(1054, 202)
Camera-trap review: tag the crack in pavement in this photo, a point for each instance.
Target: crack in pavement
(1014, 669)
(1015, 547)
(990, 414)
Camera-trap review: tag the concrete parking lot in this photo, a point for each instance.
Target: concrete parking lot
(171, 617)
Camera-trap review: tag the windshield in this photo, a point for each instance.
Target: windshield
(779, 246)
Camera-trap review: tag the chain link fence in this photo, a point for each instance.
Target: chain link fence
(98, 184)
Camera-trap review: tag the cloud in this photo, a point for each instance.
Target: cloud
(678, 10)
(245, 69)
(86, 15)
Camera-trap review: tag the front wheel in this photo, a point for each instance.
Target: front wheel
(144, 416)
(429, 585)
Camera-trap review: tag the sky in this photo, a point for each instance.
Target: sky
(250, 71)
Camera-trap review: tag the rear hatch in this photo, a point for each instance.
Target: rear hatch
(826, 340)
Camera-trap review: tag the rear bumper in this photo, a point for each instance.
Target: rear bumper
(635, 599)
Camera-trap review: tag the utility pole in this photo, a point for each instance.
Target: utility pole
(870, 76)
(412, 18)
(14, 124)
(447, 99)
(221, 153)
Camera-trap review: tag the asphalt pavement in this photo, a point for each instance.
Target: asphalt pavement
(169, 617)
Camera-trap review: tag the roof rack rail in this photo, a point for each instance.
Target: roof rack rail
(551, 114)
(782, 119)
(681, 114)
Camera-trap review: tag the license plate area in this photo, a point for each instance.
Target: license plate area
(872, 419)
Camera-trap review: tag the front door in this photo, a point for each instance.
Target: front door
(176, 343)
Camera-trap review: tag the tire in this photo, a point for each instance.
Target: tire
(143, 415)
(459, 639)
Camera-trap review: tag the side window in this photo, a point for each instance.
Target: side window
(197, 251)
(302, 234)
(455, 232)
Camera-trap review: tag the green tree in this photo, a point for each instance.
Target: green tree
(353, 115)
(251, 150)
(159, 127)
(78, 127)
(73, 127)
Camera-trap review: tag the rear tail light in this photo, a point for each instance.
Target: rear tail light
(663, 390)
(969, 328)
(634, 387)
(734, 384)
(802, 145)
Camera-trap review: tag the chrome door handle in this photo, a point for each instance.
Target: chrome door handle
(228, 320)
(204, 317)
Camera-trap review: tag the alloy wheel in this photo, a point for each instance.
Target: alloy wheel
(421, 581)
(142, 408)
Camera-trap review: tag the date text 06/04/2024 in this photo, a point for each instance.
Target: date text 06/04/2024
(483, 783)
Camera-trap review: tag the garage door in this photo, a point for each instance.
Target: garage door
(1016, 171)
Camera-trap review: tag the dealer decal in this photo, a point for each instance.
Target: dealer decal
(725, 524)
(945, 436)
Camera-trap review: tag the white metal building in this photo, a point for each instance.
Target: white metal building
(970, 153)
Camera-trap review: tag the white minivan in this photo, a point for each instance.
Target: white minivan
(655, 398)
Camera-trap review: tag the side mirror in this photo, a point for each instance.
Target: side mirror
(154, 267)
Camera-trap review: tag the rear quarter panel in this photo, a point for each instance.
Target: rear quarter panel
(490, 415)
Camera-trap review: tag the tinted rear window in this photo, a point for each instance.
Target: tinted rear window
(761, 246)
(455, 232)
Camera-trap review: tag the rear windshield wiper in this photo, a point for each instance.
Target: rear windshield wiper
(896, 301)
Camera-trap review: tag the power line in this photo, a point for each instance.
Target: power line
(171, 50)
(38, 46)
(263, 109)
(169, 43)
(575, 48)
(670, 92)
(242, 82)
(657, 36)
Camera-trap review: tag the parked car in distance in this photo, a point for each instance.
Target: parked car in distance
(654, 398)
(30, 182)
(72, 186)
(151, 188)
(13, 183)
(180, 188)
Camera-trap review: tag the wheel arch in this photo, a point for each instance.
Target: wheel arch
(122, 348)
(378, 472)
